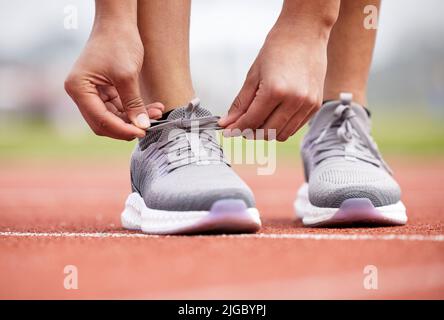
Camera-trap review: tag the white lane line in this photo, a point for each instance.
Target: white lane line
(297, 236)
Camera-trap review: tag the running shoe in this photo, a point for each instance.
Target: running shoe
(347, 181)
(182, 183)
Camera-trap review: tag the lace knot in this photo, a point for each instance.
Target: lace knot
(346, 126)
(189, 140)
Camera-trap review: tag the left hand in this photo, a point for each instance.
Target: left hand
(284, 87)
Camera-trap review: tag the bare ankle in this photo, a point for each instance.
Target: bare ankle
(172, 93)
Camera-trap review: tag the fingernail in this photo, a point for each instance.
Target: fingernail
(226, 133)
(223, 119)
(143, 121)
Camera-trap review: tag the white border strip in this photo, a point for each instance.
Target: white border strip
(297, 236)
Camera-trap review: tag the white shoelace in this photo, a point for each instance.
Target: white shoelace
(190, 140)
(345, 136)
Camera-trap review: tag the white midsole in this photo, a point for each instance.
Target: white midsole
(137, 216)
(311, 214)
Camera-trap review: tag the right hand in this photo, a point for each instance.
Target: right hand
(104, 84)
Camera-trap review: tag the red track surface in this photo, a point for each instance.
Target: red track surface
(73, 197)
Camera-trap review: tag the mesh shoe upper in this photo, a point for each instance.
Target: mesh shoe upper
(341, 160)
(179, 165)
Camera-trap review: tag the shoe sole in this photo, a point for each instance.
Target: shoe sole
(225, 216)
(358, 211)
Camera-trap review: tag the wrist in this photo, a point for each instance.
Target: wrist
(115, 14)
(313, 18)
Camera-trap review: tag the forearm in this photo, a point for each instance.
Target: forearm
(115, 13)
(312, 17)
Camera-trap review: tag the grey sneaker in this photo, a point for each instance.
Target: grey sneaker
(182, 183)
(347, 181)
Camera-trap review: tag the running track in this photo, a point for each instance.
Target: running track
(58, 214)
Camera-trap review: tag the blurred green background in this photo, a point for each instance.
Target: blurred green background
(402, 134)
(37, 50)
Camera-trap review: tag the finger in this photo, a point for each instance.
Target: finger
(110, 94)
(112, 108)
(155, 110)
(111, 125)
(107, 92)
(109, 122)
(280, 117)
(299, 119)
(118, 104)
(291, 127)
(101, 121)
(243, 99)
(307, 117)
(154, 114)
(129, 92)
(316, 105)
(122, 115)
(267, 99)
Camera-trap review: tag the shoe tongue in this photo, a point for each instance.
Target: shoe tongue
(326, 114)
(192, 111)
(186, 112)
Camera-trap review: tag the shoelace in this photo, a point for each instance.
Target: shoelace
(359, 143)
(190, 140)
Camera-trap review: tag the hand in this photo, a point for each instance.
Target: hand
(104, 84)
(284, 87)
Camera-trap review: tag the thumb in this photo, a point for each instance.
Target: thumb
(240, 103)
(129, 92)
